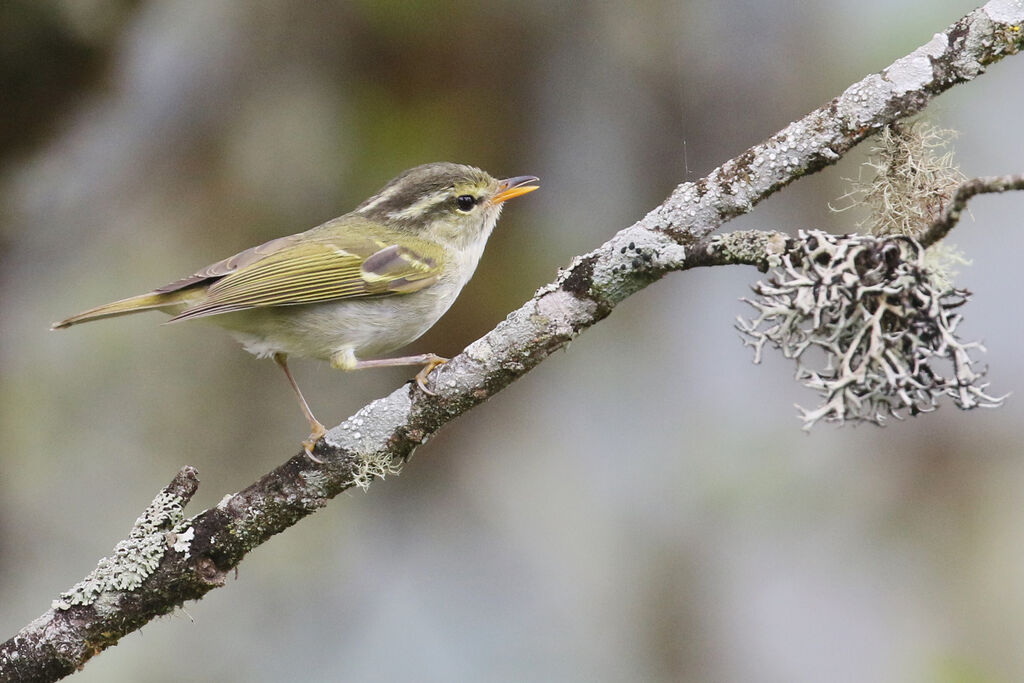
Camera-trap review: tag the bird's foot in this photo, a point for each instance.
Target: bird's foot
(432, 362)
(310, 443)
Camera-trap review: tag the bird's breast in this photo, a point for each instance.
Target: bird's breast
(369, 327)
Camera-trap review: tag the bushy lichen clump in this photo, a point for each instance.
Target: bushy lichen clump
(870, 327)
(161, 526)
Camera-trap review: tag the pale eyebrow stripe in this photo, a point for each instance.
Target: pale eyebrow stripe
(384, 196)
(419, 207)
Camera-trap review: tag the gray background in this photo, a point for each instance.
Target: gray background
(643, 506)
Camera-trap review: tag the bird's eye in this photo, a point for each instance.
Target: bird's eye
(465, 202)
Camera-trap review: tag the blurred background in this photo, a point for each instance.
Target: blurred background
(643, 506)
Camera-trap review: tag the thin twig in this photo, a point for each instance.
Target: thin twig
(968, 189)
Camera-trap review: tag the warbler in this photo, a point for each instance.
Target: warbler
(353, 288)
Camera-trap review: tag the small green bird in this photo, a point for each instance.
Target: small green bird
(357, 286)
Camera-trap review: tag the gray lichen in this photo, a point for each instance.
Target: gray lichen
(365, 434)
(754, 247)
(160, 527)
(912, 176)
(870, 328)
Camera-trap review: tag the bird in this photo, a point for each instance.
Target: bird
(352, 289)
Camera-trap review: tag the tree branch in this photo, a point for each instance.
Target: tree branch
(967, 190)
(168, 560)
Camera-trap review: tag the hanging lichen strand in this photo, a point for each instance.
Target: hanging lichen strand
(869, 326)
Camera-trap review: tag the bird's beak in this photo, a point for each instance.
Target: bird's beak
(514, 187)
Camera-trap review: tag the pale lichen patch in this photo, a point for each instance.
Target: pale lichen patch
(366, 435)
(480, 351)
(559, 308)
(910, 72)
(936, 46)
(751, 246)
(182, 542)
(134, 558)
(1005, 11)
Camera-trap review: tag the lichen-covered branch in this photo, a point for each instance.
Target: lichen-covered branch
(78, 624)
(967, 190)
(198, 553)
(904, 88)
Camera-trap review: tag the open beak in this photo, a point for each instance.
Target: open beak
(514, 187)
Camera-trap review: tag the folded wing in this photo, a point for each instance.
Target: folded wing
(315, 270)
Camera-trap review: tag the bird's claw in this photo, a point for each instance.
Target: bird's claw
(421, 376)
(310, 443)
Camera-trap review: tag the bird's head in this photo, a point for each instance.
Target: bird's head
(450, 203)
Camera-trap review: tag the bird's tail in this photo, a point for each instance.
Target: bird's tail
(134, 304)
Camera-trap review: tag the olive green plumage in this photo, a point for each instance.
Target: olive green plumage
(357, 286)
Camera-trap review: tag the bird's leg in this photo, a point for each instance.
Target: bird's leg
(346, 360)
(314, 424)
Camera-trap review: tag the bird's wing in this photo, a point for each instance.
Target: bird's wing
(321, 268)
(231, 264)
